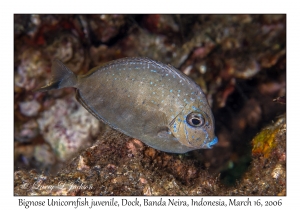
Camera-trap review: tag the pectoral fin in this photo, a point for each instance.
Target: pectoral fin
(156, 124)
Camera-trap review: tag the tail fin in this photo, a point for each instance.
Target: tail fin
(61, 77)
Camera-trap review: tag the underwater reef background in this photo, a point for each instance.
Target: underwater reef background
(239, 61)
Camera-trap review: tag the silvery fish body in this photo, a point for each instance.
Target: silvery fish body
(144, 99)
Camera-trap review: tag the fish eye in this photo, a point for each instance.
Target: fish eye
(195, 119)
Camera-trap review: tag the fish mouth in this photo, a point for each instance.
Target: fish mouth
(213, 142)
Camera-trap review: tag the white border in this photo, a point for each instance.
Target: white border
(8, 8)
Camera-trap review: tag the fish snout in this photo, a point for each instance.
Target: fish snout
(213, 142)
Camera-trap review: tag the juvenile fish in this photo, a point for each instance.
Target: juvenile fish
(144, 99)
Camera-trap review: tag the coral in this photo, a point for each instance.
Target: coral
(125, 176)
(264, 142)
(43, 154)
(32, 67)
(67, 127)
(68, 49)
(30, 108)
(103, 28)
(268, 167)
(161, 24)
(27, 131)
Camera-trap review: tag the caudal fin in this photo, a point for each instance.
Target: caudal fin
(61, 77)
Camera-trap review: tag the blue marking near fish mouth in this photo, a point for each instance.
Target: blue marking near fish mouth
(213, 142)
